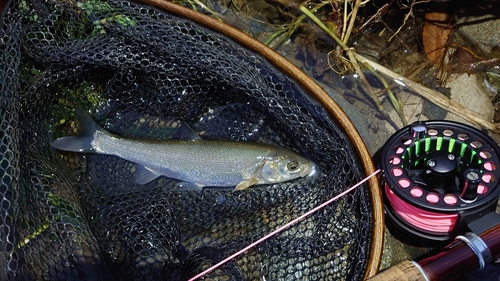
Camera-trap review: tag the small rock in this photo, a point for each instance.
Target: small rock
(480, 31)
(466, 90)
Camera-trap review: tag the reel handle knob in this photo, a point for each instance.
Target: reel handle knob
(418, 131)
(471, 180)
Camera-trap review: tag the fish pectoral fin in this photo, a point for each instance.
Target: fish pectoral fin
(143, 175)
(246, 184)
(184, 186)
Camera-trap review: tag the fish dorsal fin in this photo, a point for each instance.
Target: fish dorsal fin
(185, 132)
(87, 126)
(144, 175)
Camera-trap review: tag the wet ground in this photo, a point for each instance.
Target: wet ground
(281, 25)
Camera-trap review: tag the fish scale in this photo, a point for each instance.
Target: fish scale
(213, 162)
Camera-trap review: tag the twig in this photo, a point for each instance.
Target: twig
(413, 3)
(433, 96)
(376, 17)
(204, 7)
(340, 61)
(412, 76)
(489, 62)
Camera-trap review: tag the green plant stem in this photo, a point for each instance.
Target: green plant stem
(357, 4)
(317, 21)
(349, 52)
(390, 94)
(288, 32)
(345, 19)
(274, 35)
(292, 28)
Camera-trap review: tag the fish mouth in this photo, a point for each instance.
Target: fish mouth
(311, 173)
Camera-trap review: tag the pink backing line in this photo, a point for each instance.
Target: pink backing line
(419, 218)
(282, 228)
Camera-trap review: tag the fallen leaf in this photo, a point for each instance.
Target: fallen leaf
(435, 33)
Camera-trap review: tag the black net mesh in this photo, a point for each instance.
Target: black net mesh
(73, 216)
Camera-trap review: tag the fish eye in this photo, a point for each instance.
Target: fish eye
(292, 166)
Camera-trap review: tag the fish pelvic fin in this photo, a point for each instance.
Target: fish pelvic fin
(187, 186)
(86, 135)
(143, 175)
(246, 184)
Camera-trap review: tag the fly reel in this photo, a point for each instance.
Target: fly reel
(438, 177)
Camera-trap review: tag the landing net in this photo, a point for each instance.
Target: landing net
(138, 71)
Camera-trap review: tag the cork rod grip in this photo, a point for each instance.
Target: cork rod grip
(403, 271)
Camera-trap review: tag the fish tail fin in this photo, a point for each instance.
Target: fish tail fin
(76, 144)
(86, 135)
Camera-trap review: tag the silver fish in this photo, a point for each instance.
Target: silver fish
(194, 161)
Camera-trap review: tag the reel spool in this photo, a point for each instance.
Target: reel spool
(438, 177)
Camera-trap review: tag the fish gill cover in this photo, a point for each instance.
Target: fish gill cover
(139, 71)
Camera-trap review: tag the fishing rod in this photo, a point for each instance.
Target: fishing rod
(467, 253)
(441, 187)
